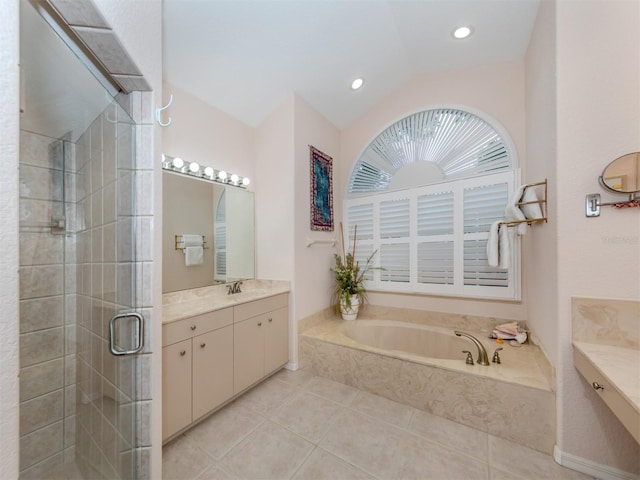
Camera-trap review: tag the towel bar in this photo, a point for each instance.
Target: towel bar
(542, 202)
(179, 242)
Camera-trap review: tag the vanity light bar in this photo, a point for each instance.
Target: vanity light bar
(176, 164)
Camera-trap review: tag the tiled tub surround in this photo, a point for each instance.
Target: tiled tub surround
(606, 342)
(513, 400)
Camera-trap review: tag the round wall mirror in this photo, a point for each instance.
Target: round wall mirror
(623, 174)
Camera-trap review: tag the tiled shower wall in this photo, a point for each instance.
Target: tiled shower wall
(47, 316)
(102, 420)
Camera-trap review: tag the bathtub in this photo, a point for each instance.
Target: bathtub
(411, 339)
(423, 366)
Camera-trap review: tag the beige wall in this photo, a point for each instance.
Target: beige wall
(540, 254)
(495, 90)
(598, 115)
(188, 210)
(204, 134)
(313, 277)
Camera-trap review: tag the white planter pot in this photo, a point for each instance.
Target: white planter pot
(350, 313)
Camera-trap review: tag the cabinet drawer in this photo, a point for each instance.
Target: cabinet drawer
(182, 329)
(622, 409)
(252, 309)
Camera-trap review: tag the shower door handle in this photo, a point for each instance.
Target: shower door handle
(138, 333)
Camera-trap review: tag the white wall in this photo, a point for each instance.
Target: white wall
(598, 119)
(497, 90)
(9, 290)
(540, 254)
(204, 134)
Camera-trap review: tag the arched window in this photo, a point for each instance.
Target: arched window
(424, 194)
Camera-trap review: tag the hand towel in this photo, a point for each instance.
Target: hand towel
(504, 250)
(189, 240)
(193, 256)
(532, 210)
(193, 249)
(513, 213)
(492, 245)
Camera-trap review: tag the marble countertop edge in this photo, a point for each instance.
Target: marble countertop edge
(189, 303)
(609, 360)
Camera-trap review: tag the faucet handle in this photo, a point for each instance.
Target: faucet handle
(469, 360)
(496, 355)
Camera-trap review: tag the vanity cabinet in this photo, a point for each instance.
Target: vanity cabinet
(197, 368)
(260, 340)
(208, 359)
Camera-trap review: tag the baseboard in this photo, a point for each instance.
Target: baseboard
(291, 366)
(582, 465)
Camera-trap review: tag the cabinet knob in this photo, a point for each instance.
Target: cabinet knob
(193, 327)
(183, 353)
(597, 386)
(202, 345)
(270, 320)
(259, 324)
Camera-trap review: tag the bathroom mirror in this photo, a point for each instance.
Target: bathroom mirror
(223, 215)
(623, 174)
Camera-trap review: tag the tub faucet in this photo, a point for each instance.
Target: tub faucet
(483, 359)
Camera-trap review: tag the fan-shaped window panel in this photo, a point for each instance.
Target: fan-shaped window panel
(430, 147)
(424, 195)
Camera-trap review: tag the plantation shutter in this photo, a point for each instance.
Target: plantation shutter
(433, 239)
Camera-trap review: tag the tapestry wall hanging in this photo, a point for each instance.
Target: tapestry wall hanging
(321, 190)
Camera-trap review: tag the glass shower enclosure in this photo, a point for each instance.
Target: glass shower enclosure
(79, 389)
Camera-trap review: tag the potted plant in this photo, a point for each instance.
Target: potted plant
(349, 292)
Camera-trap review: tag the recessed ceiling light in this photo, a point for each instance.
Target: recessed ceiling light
(357, 83)
(462, 32)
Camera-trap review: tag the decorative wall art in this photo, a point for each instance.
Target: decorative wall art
(321, 166)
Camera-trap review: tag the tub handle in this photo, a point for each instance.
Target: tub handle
(469, 360)
(496, 355)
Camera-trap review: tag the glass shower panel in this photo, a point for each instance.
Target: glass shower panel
(78, 402)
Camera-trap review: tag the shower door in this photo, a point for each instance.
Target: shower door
(79, 389)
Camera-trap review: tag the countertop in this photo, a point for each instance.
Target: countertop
(619, 366)
(196, 301)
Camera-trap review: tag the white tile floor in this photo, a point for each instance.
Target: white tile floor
(299, 426)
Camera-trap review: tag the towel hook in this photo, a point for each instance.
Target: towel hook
(161, 109)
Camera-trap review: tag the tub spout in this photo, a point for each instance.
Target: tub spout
(483, 359)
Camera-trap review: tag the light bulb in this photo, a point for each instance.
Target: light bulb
(178, 163)
(235, 178)
(164, 159)
(462, 32)
(222, 175)
(208, 172)
(246, 181)
(194, 167)
(357, 83)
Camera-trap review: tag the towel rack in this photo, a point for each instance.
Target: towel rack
(311, 242)
(179, 244)
(542, 202)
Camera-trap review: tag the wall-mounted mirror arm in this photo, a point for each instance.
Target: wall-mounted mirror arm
(593, 204)
(621, 176)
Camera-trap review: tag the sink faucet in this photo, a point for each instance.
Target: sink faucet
(483, 359)
(234, 288)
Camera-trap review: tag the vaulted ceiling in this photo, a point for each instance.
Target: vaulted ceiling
(245, 56)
